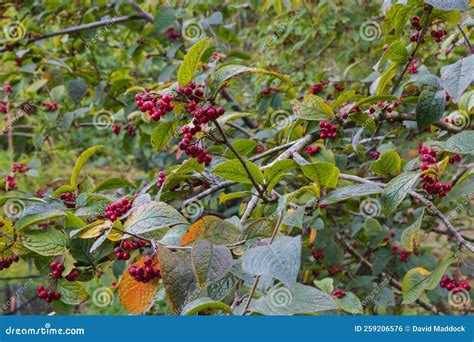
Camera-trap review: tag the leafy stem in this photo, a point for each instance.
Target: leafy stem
(241, 160)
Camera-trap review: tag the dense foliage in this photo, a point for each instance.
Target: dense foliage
(224, 157)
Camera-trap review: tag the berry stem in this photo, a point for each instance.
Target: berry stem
(239, 157)
(413, 53)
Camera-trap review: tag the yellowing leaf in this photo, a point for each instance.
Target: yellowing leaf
(212, 228)
(136, 296)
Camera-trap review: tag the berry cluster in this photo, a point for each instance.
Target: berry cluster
(193, 150)
(18, 62)
(413, 68)
(57, 270)
(154, 106)
(318, 255)
(7, 88)
(161, 179)
(131, 129)
(404, 255)
(69, 199)
(453, 285)
(116, 129)
(430, 181)
(52, 107)
(144, 273)
(339, 86)
(217, 56)
(11, 182)
(346, 110)
(318, 87)
(122, 250)
(3, 107)
(415, 22)
(383, 106)
(338, 293)
(171, 34)
(438, 35)
(47, 295)
(268, 90)
(73, 275)
(20, 168)
(455, 159)
(312, 150)
(375, 154)
(117, 209)
(6, 263)
(328, 130)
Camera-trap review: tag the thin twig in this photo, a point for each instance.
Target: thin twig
(466, 39)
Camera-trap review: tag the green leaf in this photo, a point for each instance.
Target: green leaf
(449, 5)
(178, 277)
(325, 284)
(62, 189)
(223, 75)
(260, 227)
(210, 263)
(225, 197)
(41, 215)
(277, 171)
(350, 303)
(47, 242)
(299, 300)
(417, 280)
(81, 161)
(280, 260)
(396, 190)
(455, 78)
(191, 61)
(350, 191)
(312, 107)
(77, 89)
(363, 120)
(114, 183)
(466, 102)
(411, 235)
(205, 303)
(35, 86)
(430, 107)
(222, 120)
(153, 217)
(389, 164)
(72, 292)
(397, 53)
(322, 173)
(385, 79)
(243, 146)
(462, 143)
(162, 134)
(233, 170)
